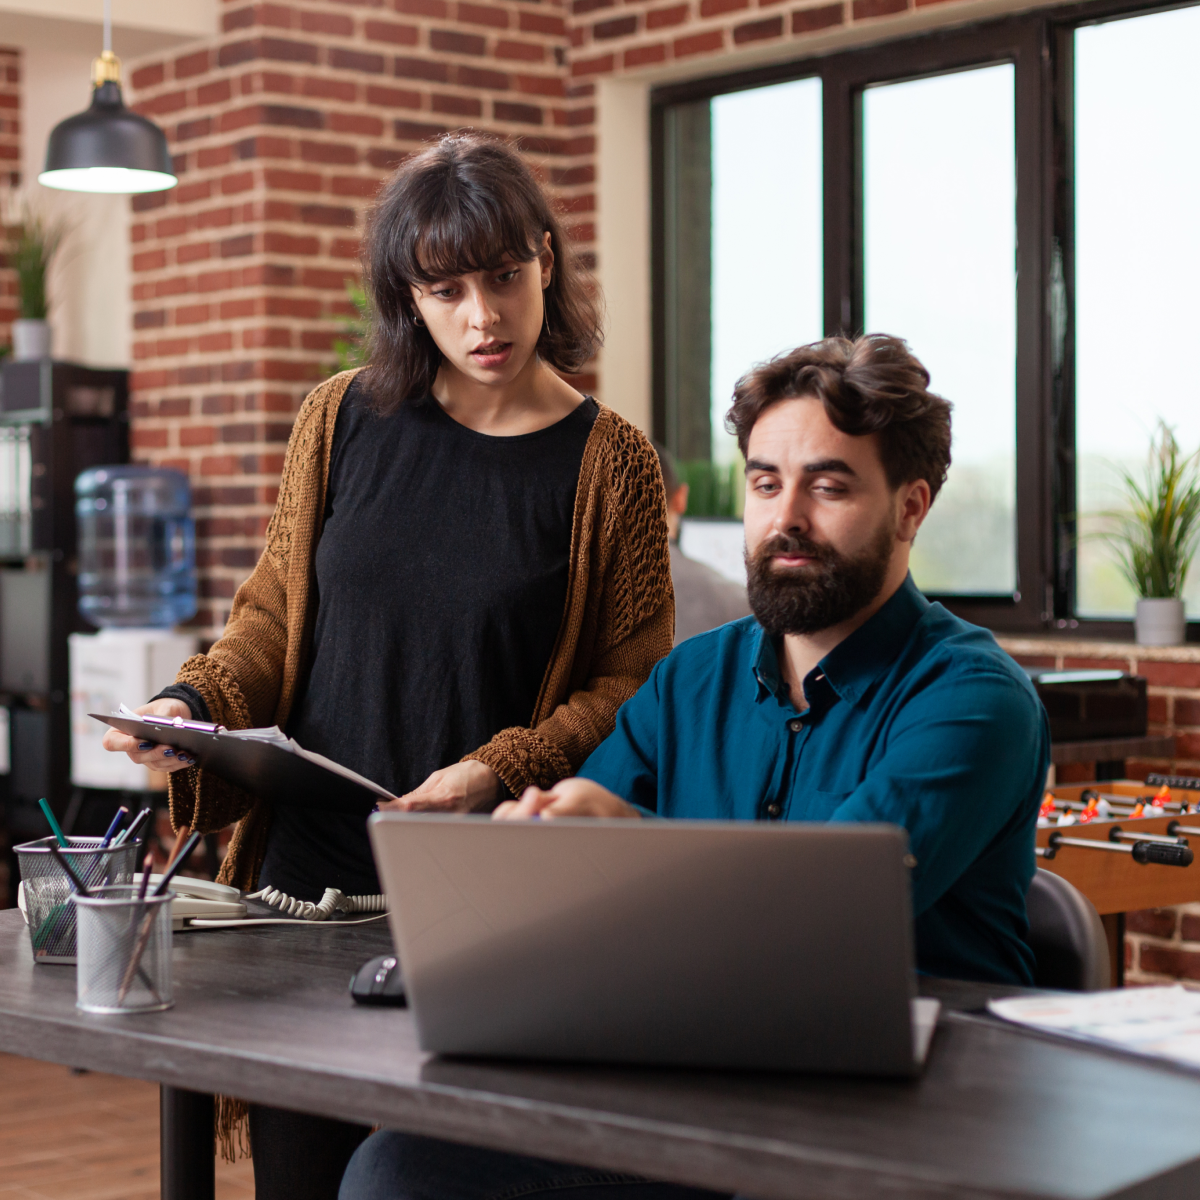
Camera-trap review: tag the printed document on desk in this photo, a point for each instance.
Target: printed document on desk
(263, 762)
(1160, 1022)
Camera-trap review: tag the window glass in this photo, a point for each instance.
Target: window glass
(766, 234)
(939, 214)
(1137, 245)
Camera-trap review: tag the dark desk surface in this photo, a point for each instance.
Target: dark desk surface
(264, 1014)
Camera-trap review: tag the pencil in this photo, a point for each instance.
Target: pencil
(180, 838)
(59, 836)
(178, 860)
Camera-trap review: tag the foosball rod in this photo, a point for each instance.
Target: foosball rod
(1176, 854)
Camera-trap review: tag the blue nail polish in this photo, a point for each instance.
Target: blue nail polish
(145, 745)
(168, 753)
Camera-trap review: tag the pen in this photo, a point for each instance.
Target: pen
(55, 829)
(133, 828)
(112, 828)
(192, 842)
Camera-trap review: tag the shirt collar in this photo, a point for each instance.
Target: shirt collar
(855, 663)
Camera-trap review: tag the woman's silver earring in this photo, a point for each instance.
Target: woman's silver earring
(417, 321)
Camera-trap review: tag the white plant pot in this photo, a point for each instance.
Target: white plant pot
(30, 339)
(1159, 623)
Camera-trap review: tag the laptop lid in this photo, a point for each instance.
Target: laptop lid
(714, 944)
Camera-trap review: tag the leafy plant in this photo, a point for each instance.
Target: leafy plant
(351, 349)
(1156, 538)
(33, 243)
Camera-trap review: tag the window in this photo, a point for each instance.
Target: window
(744, 262)
(1018, 200)
(1137, 259)
(939, 267)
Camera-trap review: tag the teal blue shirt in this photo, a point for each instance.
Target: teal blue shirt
(917, 719)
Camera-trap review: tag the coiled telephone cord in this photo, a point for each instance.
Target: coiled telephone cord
(332, 902)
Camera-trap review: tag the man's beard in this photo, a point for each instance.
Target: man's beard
(828, 591)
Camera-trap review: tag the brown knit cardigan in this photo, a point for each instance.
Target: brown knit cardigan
(618, 623)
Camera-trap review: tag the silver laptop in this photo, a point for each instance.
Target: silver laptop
(706, 944)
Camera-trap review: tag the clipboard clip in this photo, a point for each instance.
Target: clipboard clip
(180, 723)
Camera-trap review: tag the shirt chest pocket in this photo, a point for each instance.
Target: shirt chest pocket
(811, 804)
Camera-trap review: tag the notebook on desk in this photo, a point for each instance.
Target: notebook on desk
(705, 944)
(263, 762)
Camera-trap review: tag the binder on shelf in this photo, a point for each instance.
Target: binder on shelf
(263, 762)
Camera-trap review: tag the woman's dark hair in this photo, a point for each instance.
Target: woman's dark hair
(457, 207)
(873, 384)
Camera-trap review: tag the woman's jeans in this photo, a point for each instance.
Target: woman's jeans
(400, 1166)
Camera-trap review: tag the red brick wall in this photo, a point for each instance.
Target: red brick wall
(610, 37)
(282, 132)
(1173, 688)
(10, 169)
(283, 128)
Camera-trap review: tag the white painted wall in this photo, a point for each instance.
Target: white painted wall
(623, 245)
(89, 286)
(175, 18)
(90, 282)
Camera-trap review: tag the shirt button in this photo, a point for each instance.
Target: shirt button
(795, 725)
(773, 810)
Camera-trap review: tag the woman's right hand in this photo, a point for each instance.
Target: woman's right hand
(147, 754)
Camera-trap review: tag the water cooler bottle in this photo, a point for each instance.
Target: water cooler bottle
(136, 580)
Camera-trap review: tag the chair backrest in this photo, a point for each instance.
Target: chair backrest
(1066, 936)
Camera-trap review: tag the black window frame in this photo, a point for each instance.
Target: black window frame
(1040, 45)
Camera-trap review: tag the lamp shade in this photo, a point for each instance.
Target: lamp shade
(108, 148)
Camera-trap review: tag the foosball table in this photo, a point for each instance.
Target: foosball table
(1124, 845)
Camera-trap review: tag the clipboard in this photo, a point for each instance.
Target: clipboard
(263, 762)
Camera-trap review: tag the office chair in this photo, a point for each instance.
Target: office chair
(1066, 936)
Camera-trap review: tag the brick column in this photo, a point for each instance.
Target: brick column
(282, 131)
(10, 171)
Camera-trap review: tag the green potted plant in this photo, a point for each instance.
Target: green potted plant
(33, 242)
(1156, 537)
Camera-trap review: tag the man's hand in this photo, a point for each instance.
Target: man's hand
(464, 787)
(567, 798)
(148, 754)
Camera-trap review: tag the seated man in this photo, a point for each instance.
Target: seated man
(847, 697)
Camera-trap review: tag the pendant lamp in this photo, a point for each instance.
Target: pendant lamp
(108, 148)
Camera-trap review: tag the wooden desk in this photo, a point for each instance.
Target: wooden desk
(264, 1014)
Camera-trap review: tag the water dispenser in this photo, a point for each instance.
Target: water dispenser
(136, 546)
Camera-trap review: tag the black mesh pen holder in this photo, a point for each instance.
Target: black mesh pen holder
(45, 889)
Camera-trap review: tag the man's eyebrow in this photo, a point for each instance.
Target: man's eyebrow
(824, 466)
(757, 464)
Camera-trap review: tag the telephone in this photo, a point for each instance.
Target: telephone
(203, 904)
(193, 898)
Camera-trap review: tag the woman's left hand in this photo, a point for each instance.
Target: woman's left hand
(465, 787)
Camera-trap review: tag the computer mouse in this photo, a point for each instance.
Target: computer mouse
(379, 982)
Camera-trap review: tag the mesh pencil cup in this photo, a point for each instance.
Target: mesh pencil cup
(46, 887)
(124, 951)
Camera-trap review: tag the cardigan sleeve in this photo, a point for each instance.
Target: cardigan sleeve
(241, 676)
(629, 623)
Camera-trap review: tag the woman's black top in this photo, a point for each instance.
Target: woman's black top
(441, 579)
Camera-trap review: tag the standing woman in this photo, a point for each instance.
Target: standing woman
(467, 572)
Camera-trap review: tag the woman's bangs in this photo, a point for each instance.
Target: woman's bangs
(459, 241)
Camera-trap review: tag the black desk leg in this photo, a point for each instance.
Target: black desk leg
(186, 1145)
